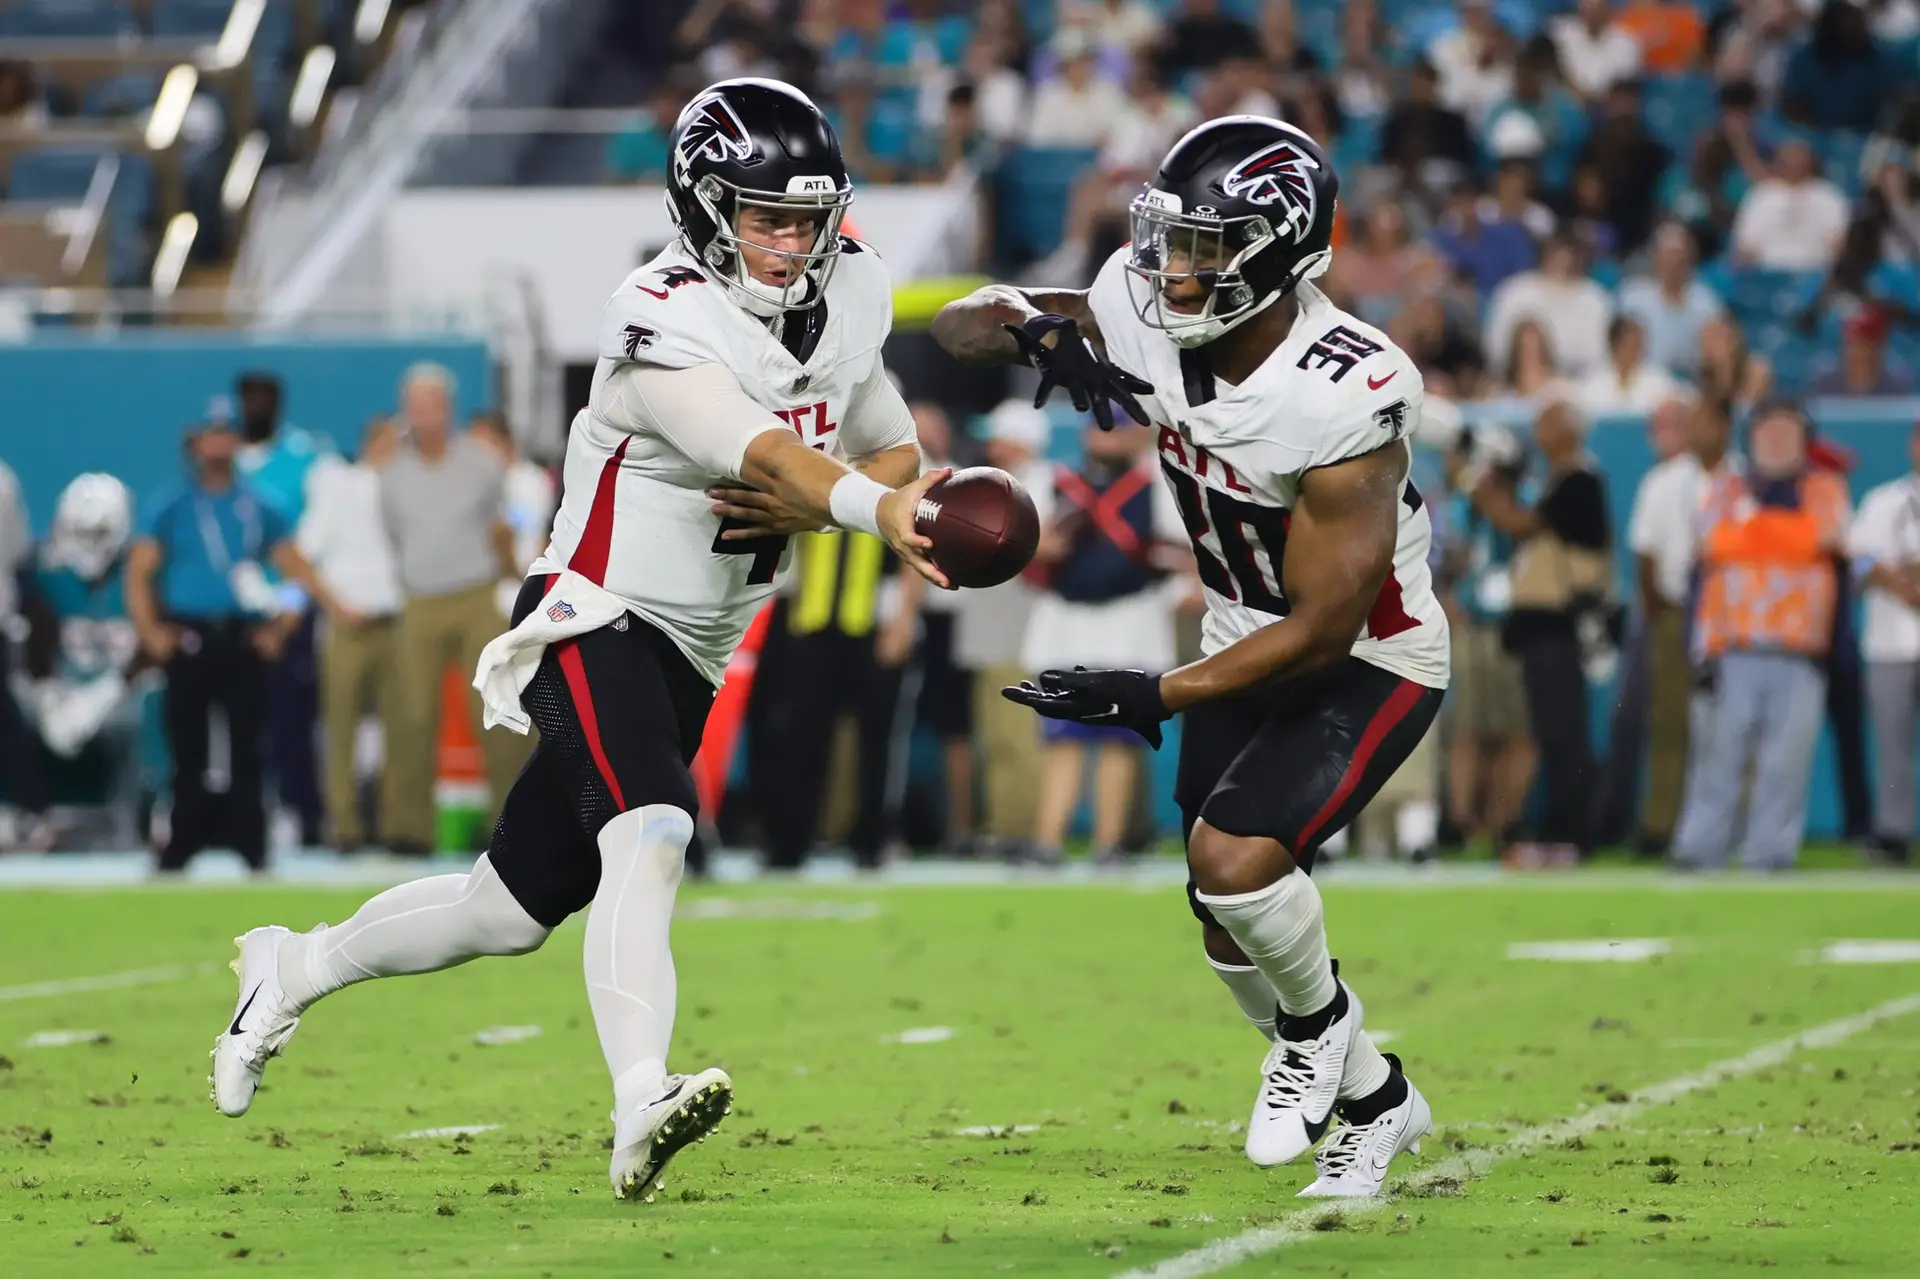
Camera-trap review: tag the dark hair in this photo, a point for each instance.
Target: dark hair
(1539, 54)
(1618, 326)
(1738, 95)
(1513, 348)
(1840, 32)
(257, 380)
(1782, 404)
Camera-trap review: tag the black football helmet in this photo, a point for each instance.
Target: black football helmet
(1243, 203)
(757, 143)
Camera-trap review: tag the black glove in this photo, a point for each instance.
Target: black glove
(1073, 363)
(1130, 699)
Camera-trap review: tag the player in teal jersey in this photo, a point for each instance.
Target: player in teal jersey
(83, 654)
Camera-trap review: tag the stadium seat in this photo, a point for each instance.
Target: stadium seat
(53, 175)
(190, 17)
(1032, 203)
(127, 94)
(1897, 282)
(1840, 153)
(1679, 108)
(67, 19)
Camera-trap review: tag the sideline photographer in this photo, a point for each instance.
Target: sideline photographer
(1562, 620)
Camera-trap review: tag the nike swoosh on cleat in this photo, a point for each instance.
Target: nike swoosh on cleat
(671, 1093)
(235, 1028)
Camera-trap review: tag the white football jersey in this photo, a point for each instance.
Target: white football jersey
(1336, 388)
(635, 514)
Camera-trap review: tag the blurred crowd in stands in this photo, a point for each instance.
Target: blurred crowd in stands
(1754, 163)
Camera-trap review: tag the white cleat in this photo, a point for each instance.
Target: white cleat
(690, 1108)
(264, 1019)
(1295, 1105)
(1353, 1164)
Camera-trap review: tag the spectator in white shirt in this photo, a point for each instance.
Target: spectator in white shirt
(1792, 221)
(1572, 310)
(355, 581)
(1885, 545)
(1475, 62)
(1078, 107)
(1595, 51)
(530, 498)
(1153, 118)
(1671, 303)
(1661, 534)
(1128, 25)
(1627, 382)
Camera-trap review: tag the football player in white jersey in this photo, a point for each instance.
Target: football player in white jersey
(739, 398)
(1283, 424)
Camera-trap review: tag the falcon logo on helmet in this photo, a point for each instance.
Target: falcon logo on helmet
(1280, 174)
(714, 130)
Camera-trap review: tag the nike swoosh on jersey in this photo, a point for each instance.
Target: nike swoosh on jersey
(1371, 384)
(652, 293)
(235, 1028)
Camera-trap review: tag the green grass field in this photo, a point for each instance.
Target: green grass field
(1081, 1119)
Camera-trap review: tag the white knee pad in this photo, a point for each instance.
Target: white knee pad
(651, 840)
(503, 921)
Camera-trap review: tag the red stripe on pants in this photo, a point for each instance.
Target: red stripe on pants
(1383, 722)
(567, 653)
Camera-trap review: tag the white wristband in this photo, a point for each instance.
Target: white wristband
(855, 502)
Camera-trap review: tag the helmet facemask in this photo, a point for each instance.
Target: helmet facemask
(808, 270)
(1170, 245)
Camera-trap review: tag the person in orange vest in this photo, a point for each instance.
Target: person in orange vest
(1770, 530)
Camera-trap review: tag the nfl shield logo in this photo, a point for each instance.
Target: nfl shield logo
(560, 611)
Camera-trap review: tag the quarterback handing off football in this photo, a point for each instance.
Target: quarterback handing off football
(983, 525)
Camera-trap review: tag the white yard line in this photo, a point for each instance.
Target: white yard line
(1224, 1254)
(107, 981)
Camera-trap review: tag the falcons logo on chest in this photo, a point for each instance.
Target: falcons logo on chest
(712, 129)
(1281, 174)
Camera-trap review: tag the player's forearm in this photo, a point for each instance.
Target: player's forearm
(894, 467)
(970, 329)
(779, 464)
(1295, 645)
(973, 331)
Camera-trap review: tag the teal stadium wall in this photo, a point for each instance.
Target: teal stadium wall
(121, 405)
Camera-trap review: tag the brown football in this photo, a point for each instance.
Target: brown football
(983, 525)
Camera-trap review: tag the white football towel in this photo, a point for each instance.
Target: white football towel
(573, 606)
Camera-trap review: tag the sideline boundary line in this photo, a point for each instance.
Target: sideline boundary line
(1469, 1165)
(106, 981)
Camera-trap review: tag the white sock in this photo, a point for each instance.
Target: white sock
(420, 927)
(628, 960)
(1365, 1071)
(1280, 928)
(1251, 991)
